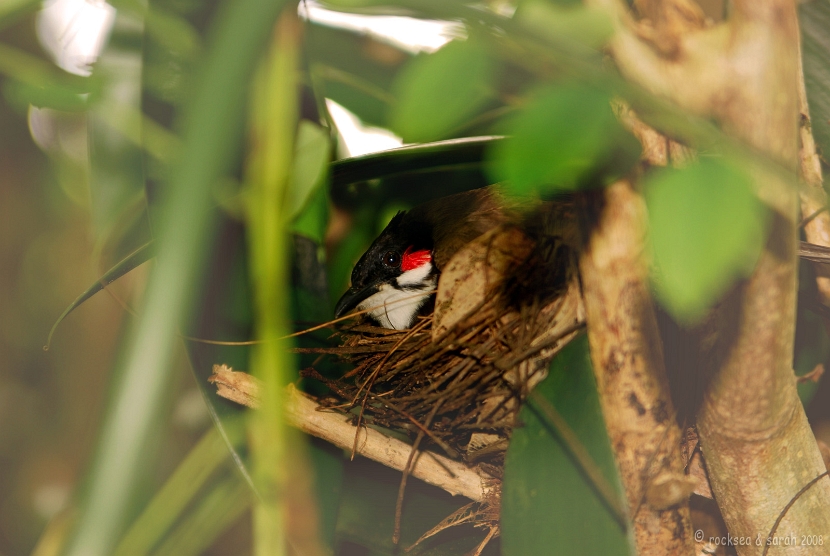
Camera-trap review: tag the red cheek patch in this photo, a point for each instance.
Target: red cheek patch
(414, 259)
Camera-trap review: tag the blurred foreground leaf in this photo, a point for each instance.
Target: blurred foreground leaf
(166, 507)
(342, 71)
(439, 91)
(211, 132)
(277, 454)
(214, 513)
(116, 180)
(578, 23)
(815, 21)
(565, 135)
(549, 506)
(706, 228)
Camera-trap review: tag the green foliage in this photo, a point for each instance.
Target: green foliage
(549, 506)
(707, 228)
(340, 70)
(577, 23)
(367, 516)
(555, 102)
(212, 125)
(814, 17)
(168, 504)
(439, 91)
(307, 206)
(273, 121)
(560, 139)
(66, 99)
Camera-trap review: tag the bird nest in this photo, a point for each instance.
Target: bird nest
(505, 305)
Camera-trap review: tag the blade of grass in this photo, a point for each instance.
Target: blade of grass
(122, 267)
(213, 514)
(210, 133)
(178, 491)
(273, 123)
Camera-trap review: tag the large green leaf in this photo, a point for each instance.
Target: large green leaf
(815, 41)
(567, 135)
(452, 155)
(307, 199)
(367, 516)
(440, 91)
(549, 506)
(706, 229)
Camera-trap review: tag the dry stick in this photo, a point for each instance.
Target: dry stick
(447, 474)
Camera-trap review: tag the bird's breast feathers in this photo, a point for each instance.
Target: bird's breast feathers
(395, 305)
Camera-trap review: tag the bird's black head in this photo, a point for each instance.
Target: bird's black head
(393, 277)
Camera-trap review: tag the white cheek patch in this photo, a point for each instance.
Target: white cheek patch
(416, 276)
(394, 308)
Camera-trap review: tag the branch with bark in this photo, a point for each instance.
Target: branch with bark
(628, 364)
(744, 73)
(303, 413)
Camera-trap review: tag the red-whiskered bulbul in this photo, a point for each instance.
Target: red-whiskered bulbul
(395, 277)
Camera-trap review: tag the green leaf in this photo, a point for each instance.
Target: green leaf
(549, 506)
(314, 218)
(57, 97)
(367, 516)
(815, 20)
(307, 199)
(311, 156)
(567, 134)
(10, 10)
(706, 228)
(440, 91)
(578, 23)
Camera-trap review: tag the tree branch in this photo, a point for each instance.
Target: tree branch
(628, 363)
(302, 412)
(758, 445)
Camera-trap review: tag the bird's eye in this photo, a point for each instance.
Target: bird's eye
(392, 259)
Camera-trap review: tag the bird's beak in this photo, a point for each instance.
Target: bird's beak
(353, 297)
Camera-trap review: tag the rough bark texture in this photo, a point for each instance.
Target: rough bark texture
(758, 445)
(628, 362)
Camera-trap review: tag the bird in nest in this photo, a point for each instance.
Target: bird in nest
(394, 280)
